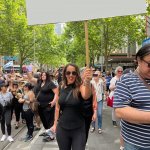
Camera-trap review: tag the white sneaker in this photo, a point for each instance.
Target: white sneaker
(10, 139)
(99, 130)
(121, 148)
(3, 138)
(92, 129)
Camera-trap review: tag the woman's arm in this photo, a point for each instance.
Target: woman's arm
(31, 96)
(133, 115)
(94, 104)
(55, 90)
(112, 85)
(85, 88)
(31, 78)
(57, 109)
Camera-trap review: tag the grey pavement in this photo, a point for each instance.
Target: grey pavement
(108, 140)
(15, 132)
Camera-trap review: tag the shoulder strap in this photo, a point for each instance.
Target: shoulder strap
(70, 92)
(38, 94)
(67, 98)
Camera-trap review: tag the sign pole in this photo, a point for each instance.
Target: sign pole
(86, 42)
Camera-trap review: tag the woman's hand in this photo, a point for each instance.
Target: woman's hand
(87, 75)
(53, 128)
(21, 100)
(85, 88)
(94, 116)
(52, 103)
(18, 95)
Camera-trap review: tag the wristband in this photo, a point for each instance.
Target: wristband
(86, 83)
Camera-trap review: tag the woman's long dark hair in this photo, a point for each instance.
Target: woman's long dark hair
(47, 77)
(78, 80)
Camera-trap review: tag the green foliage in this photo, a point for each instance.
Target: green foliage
(34, 43)
(105, 36)
(41, 44)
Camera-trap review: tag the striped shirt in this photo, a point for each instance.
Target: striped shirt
(132, 92)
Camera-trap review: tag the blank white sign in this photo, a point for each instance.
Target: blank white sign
(55, 11)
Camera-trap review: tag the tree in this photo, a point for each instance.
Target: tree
(105, 36)
(17, 38)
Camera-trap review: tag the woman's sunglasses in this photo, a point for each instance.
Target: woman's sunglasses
(95, 75)
(119, 71)
(148, 64)
(74, 73)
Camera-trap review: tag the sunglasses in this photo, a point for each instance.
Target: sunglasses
(120, 71)
(95, 75)
(148, 64)
(74, 73)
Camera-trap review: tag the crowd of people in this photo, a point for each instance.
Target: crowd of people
(46, 88)
(70, 101)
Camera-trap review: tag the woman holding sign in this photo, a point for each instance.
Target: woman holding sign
(69, 120)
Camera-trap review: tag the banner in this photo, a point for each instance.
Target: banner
(55, 11)
(9, 64)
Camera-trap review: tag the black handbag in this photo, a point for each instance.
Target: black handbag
(35, 104)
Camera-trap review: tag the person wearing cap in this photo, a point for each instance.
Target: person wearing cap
(5, 100)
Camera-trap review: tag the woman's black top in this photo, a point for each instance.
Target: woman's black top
(71, 116)
(15, 100)
(46, 94)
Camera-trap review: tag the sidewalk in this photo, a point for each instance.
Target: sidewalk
(15, 133)
(35, 144)
(108, 140)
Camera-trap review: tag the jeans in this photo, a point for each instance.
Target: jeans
(6, 120)
(99, 115)
(128, 146)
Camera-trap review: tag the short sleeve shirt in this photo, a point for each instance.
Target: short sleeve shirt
(5, 98)
(46, 94)
(131, 91)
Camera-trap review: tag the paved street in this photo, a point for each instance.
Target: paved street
(15, 133)
(108, 140)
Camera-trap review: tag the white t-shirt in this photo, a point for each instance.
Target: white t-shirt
(99, 88)
(5, 98)
(112, 83)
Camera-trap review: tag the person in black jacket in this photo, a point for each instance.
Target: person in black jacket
(70, 131)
